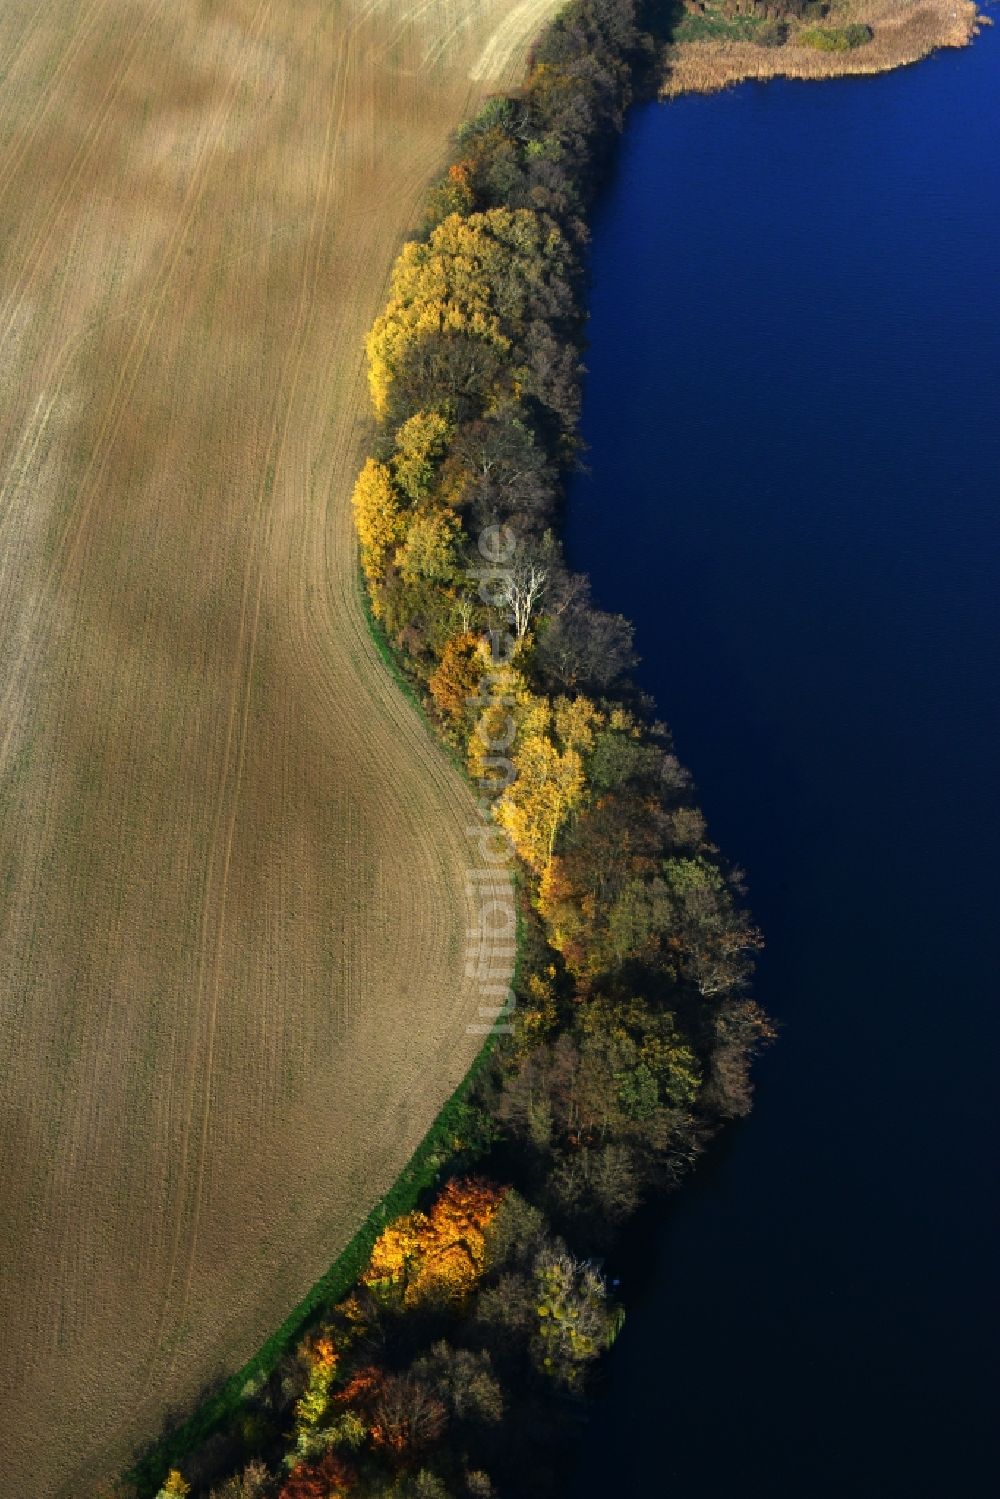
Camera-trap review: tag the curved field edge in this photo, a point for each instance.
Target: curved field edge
(216, 804)
(436, 1148)
(435, 1151)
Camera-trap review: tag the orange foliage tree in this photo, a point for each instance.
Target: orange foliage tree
(327, 1479)
(437, 1254)
(456, 680)
(407, 1415)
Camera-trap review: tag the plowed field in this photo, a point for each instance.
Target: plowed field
(233, 860)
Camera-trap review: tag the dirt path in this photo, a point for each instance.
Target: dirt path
(233, 860)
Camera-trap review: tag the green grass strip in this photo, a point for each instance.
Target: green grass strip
(389, 657)
(433, 1153)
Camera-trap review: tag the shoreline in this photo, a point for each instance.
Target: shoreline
(903, 33)
(732, 66)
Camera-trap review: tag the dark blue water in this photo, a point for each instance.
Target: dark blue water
(792, 411)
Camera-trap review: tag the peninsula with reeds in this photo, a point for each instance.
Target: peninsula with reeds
(720, 42)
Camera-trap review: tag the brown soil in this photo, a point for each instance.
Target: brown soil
(233, 859)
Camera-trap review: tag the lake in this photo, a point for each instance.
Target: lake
(793, 412)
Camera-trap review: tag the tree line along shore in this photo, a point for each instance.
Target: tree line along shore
(457, 1363)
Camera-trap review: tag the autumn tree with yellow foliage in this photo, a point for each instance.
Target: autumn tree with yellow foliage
(420, 445)
(175, 1486)
(551, 782)
(378, 519)
(484, 276)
